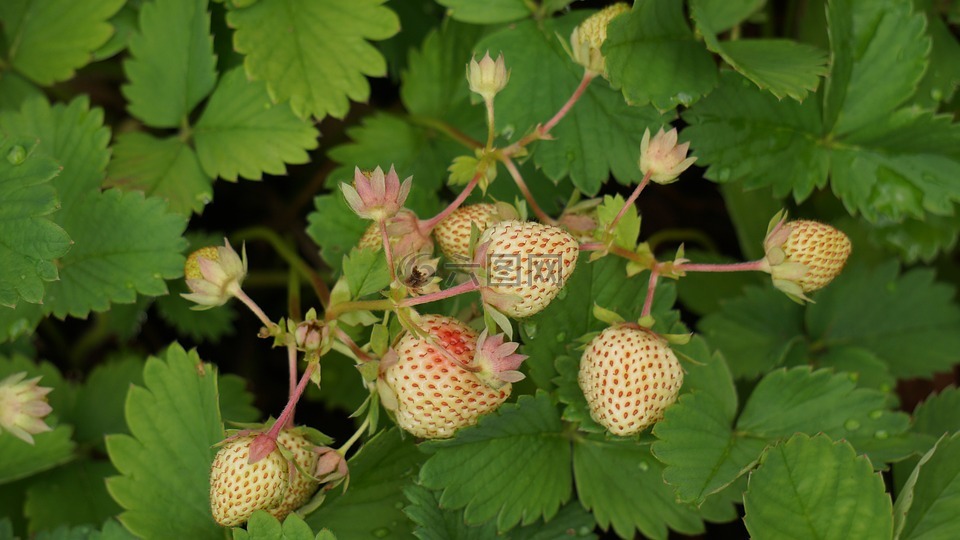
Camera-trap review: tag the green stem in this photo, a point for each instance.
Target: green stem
(490, 123)
(446, 129)
(355, 437)
(290, 256)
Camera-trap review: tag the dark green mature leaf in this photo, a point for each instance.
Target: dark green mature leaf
(16, 90)
(19, 321)
(366, 272)
(48, 40)
(940, 81)
(706, 371)
(29, 240)
(478, 468)
(373, 505)
(755, 331)
(74, 494)
(622, 484)
(209, 325)
(570, 394)
(929, 505)
(856, 311)
(124, 245)
(654, 57)
(98, 406)
(315, 53)
(601, 134)
(236, 402)
(812, 487)
(553, 332)
(920, 240)
(165, 464)
(863, 366)
(335, 228)
(435, 523)
(938, 414)
(166, 168)
(74, 136)
(750, 212)
(489, 12)
(725, 15)
(263, 526)
(242, 134)
(434, 84)
(170, 73)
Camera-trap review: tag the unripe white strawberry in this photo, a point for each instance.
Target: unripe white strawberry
(301, 488)
(629, 376)
(803, 256)
(525, 265)
(239, 488)
(432, 394)
(453, 233)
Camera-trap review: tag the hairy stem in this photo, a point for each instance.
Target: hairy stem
(349, 342)
(522, 186)
(428, 225)
(292, 364)
(387, 250)
(632, 199)
(651, 289)
(543, 131)
(760, 265)
(355, 437)
(242, 296)
(463, 288)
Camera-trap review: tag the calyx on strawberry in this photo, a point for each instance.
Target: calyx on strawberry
(629, 376)
(803, 256)
(524, 265)
(238, 488)
(433, 382)
(300, 487)
(404, 233)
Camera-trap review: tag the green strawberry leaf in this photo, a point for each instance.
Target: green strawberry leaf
(74, 494)
(314, 55)
(166, 168)
(725, 15)
(478, 468)
(622, 484)
(263, 526)
(865, 367)
(16, 90)
(124, 245)
(599, 136)
(29, 240)
(19, 321)
(489, 12)
(98, 407)
(52, 39)
(241, 134)
(628, 228)
(174, 421)
(939, 414)
(653, 57)
(569, 393)
(928, 505)
(373, 504)
(335, 228)
(812, 487)
(366, 272)
(208, 326)
(170, 74)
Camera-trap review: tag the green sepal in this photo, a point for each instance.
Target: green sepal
(608, 316)
(380, 339)
(369, 370)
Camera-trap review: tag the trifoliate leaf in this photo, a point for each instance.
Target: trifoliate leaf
(335, 228)
(165, 464)
(74, 494)
(209, 325)
(622, 484)
(314, 54)
(263, 526)
(478, 468)
(366, 272)
(434, 85)
(373, 504)
(54, 38)
(170, 72)
(29, 240)
(242, 134)
(929, 506)
(754, 331)
(812, 487)
(628, 228)
(599, 136)
(98, 406)
(74, 136)
(553, 332)
(489, 12)
(166, 168)
(653, 57)
(124, 245)
(920, 340)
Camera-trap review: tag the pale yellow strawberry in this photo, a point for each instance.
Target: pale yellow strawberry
(818, 246)
(629, 376)
(301, 488)
(453, 233)
(238, 488)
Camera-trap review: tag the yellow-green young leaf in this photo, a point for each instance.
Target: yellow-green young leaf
(15, 90)
(478, 469)
(124, 244)
(366, 272)
(929, 504)
(172, 65)
(165, 168)
(314, 53)
(489, 12)
(373, 504)
(29, 240)
(622, 484)
(48, 40)
(812, 487)
(174, 421)
(653, 57)
(628, 228)
(599, 136)
(242, 134)
(74, 494)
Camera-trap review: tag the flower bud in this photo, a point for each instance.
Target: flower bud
(662, 157)
(487, 77)
(587, 38)
(376, 196)
(214, 274)
(23, 404)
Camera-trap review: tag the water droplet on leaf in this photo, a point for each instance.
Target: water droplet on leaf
(17, 155)
(644, 466)
(881, 434)
(851, 425)
(876, 414)
(382, 532)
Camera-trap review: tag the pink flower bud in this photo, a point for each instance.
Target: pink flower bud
(487, 77)
(662, 157)
(376, 196)
(23, 404)
(214, 274)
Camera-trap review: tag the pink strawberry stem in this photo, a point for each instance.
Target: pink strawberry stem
(242, 296)
(543, 131)
(428, 225)
(752, 266)
(632, 199)
(292, 364)
(522, 186)
(265, 443)
(387, 251)
(343, 337)
(651, 289)
(465, 287)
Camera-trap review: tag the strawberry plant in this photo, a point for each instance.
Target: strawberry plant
(460, 269)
